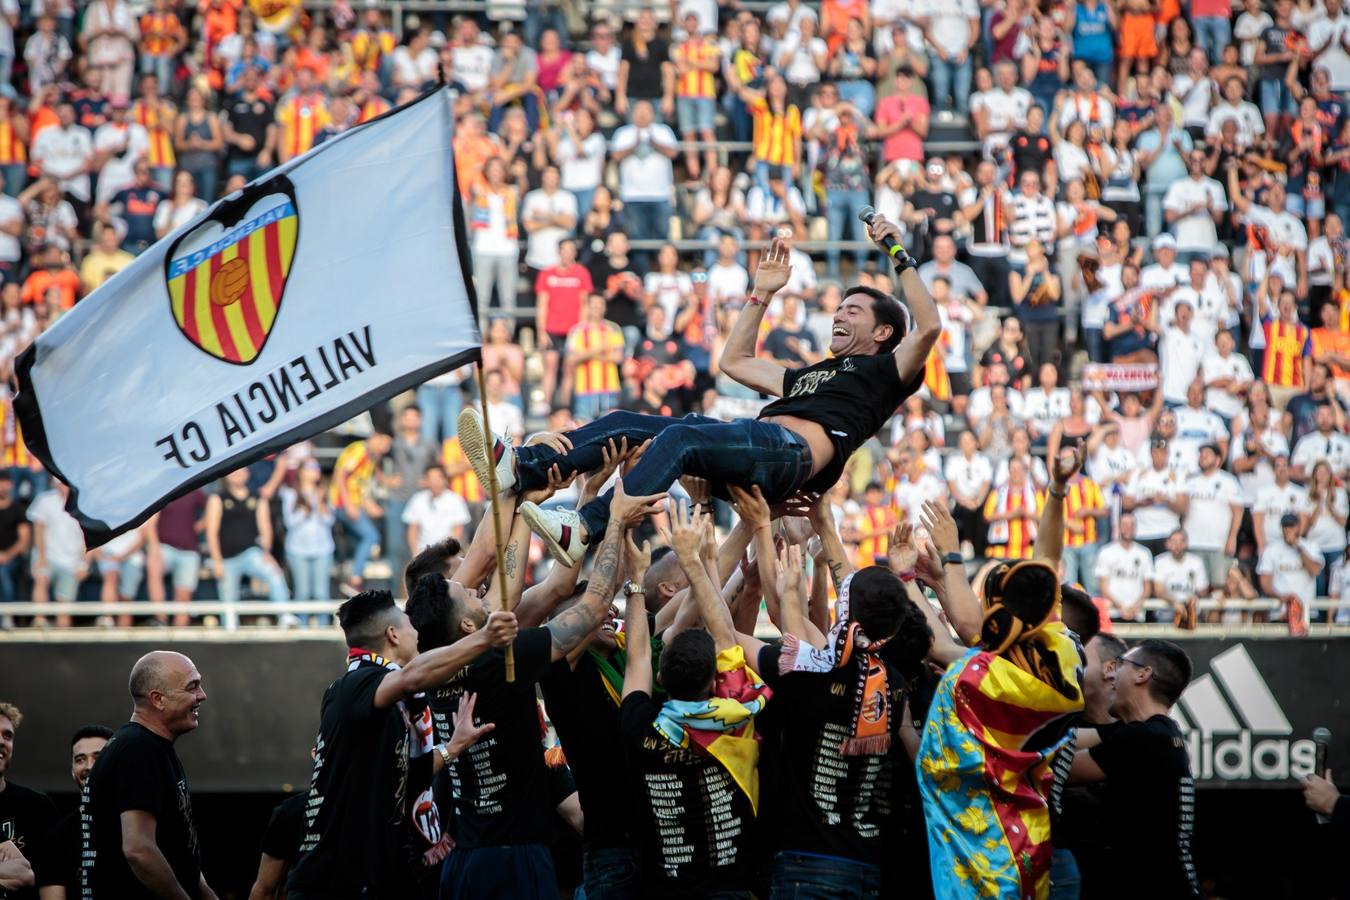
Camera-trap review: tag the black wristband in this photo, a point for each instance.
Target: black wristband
(903, 261)
(953, 559)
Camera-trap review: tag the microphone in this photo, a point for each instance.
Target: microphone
(866, 215)
(1322, 742)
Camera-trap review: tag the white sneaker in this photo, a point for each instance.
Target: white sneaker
(560, 529)
(473, 440)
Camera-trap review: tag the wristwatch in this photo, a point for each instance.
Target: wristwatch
(953, 559)
(444, 752)
(630, 588)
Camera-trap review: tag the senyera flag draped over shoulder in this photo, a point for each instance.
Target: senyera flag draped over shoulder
(331, 283)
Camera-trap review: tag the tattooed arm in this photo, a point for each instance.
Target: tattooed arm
(836, 558)
(479, 559)
(514, 559)
(574, 625)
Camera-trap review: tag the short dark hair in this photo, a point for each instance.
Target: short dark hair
(878, 603)
(431, 610)
(1110, 646)
(1171, 668)
(431, 560)
(1079, 612)
(656, 572)
(888, 311)
(689, 664)
(365, 617)
(91, 731)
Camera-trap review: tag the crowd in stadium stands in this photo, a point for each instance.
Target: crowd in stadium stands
(1131, 216)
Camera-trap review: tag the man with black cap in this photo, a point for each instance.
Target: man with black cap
(1288, 570)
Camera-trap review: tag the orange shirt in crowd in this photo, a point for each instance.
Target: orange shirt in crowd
(301, 117)
(1286, 346)
(65, 281)
(160, 33)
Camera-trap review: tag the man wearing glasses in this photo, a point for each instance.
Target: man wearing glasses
(1149, 797)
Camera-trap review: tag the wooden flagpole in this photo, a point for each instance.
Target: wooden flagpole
(496, 518)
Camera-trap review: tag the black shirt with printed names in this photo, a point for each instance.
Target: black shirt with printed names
(286, 829)
(851, 397)
(137, 770)
(587, 723)
(500, 783)
(360, 776)
(26, 818)
(1149, 802)
(826, 803)
(693, 826)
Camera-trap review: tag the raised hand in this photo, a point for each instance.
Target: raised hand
(639, 559)
(686, 532)
(698, 489)
(789, 576)
(799, 504)
(901, 553)
(631, 457)
(773, 271)
(797, 529)
(556, 482)
(633, 509)
(466, 733)
(941, 527)
(557, 441)
(611, 455)
(750, 506)
(1067, 464)
(501, 628)
(882, 228)
(929, 566)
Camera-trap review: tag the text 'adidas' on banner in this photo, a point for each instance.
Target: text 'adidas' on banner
(329, 284)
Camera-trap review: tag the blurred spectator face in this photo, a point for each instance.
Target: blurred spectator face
(1199, 270)
(1085, 79)
(65, 114)
(1021, 442)
(1157, 449)
(567, 253)
(550, 179)
(183, 185)
(494, 172)
(1176, 543)
(237, 480)
(304, 80)
(944, 249)
(617, 243)
(792, 308)
(656, 322)
(642, 114)
(998, 397)
(1127, 528)
(1317, 380)
(595, 308)
(827, 95)
(1012, 330)
(1029, 184)
(1074, 192)
(942, 290)
(1195, 394)
(1017, 472)
(1167, 424)
(983, 80)
(968, 443)
(904, 80)
(997, 373)
(1049, 376)
(1233, 90)
(341, 111)
(1288, 307)
(1005, 75)
(726, 249)
(646, 21)
(830, 298)
(668, 258)
(1035, 119)
(436, 480)
(548, 41)
(108, 240)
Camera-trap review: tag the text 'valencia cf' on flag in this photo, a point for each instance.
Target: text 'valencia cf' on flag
(331, 283)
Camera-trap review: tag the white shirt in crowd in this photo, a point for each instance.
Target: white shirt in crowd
(10, 212)
(411, 71)
(1180, 579)
(1041, 410)
(1197, 95)
(1250, 125)
(669, 290)
(910, 495)
(980, 405)
(1112, 465)
(1338, 587)
(1197, 427)
(1334, 33)
(1326, 533)
(1152, 489)
(581, 167)
(969, 477)
(1036, 471)
(125, 144)
(1285, 565)
(1284, 227)
(606, 65)
(1195, 231)
(541, 246)
(309, 532)
(763, 206)
(471, 66)
(1334, 448)
(725, 282)
(1273, 502)
(646, 173)
(63, 541)
(949, 24)
(1215, 367)
(1181, 353)
(1216, 499)
(1127, 570)
(436, 516)
(171, 216)
(1273, 441)
(62, 153)
(507, 419)
(1157, 277)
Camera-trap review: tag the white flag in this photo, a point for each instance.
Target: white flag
(332, 283)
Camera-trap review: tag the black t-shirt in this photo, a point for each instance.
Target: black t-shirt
(360, 776)
(644, 69)
(943, 204)
(286, 829)
(250, 117)
(851, 397)
(11, 517)
(1273, 40)
(1030, 152)
(500, 783)
(137, 770)
(26, 818)
(59, 863)
(1150, 808)
(692, 824)
(780, 345)
(826, 803)
(587, 722)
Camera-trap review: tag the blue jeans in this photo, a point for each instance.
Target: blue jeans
(161, 67)
(1065, 881)
(1080, 565)
(1212, 34)
(1095, 344)
(394, 550)
(648, 220)
(951, 79)
(584, 199)
(712, 235)
(364, 531)
(860, 93)
(609, 874)
(440, 405)
(764, 171)
(28, 483)
(539, 19)
(252, 563)
(312, 577)
(517, 870)
(593, 406)
(805, 876)
(741, 452)
(1276, 99)
(1153, 211)
(528, 102)
(16, 178)
(205, 180)
(841, 212)
(11, 573)
(249, 168)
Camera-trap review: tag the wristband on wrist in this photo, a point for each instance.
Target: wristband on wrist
(953, 559)
(1060, 494)
(907, 575)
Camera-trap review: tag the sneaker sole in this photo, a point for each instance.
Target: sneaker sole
(474, 445)
(530, 513)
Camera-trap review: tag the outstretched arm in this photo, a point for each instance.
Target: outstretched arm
(1050, 535)
(912, 354)
(738, 355)
(686, 537)
(637, 674)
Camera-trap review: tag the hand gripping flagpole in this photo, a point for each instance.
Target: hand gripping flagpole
(496, 517)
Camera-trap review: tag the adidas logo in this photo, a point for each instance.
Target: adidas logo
(1234, 727)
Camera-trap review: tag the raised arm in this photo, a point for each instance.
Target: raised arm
(912, 354)
(958, 599)
(1050, 535)
(435, 667)
(686, 536)
(738, 355)
(637, 673)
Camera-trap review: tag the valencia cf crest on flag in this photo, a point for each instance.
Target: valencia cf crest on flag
(227, 276)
